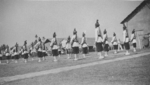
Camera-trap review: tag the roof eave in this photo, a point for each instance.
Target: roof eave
(135, 11)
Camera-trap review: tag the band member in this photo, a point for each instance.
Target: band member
(15, 53)
(98, 40)
(12, 52)
(38, 46)
(149, 39)
(7, 54)
(20, 52)
(25, 52)
(119, 45)
(0, 56)
(68, 47)
(54, 47)
(115, 43)
(75, 44)
(31, 51)
(59, 49)
(105, 42)
(133, 40)
(84, 45)
(36, 39)
(44, 54)
(126, 40)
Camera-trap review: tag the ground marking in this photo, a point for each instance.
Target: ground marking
(62, 69)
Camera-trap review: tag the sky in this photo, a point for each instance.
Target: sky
(21, 20)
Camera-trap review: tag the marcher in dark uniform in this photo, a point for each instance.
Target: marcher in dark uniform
(0, 56)
(115, 43)
(25, 52)
(16, 53)
(98, 40)
(7, 54)
(31, 51)
(44, 54)
(105, 42)
(38, 46)
(133, 40)
(54, 47)
(68, 47)
(126, 40)
(75, 44)
(84, 45)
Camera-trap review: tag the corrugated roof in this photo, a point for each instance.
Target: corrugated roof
(134, 12)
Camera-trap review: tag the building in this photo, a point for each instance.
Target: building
(139, 19)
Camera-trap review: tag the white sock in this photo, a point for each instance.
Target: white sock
(39, 60)
(134, 50)
(100, 55)
(115, 51)
(43, 58)
(6, 61)
(32, 59)
(68, 56)
(84, 56)
(55, 59)
(25, 61)
(75, 57)
(16, 61)
(106, 54)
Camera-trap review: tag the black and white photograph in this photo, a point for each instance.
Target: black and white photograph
(74, 42)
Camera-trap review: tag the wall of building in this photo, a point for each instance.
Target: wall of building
(141, 21)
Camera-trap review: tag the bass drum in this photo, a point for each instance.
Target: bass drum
(145, 42)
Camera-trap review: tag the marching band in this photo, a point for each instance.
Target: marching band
(38, 47)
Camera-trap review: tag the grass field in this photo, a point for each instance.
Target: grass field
(126, 72)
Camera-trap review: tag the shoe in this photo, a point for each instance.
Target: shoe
(7, 62)
(39, 61)
(32, 59)
(55, 60)
(16, 61)
(127, 54)
(106, 55)
(135, 51)
(75, 59)
(101, 57)
(25, 61)
(43, 59)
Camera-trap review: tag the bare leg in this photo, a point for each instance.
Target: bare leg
(55, 59)
(75, 55)
(39, 60)
(106, 53)
(25, 60)
(84, 56)
(7, 61)
(115, 52)
(68, 56)
(119, 47)
(43, 57)
(134, 49)
(16, 61)
(100, 55)
(127, 52)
